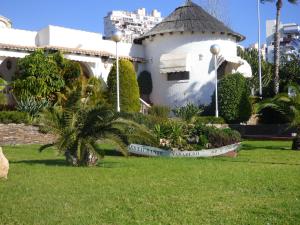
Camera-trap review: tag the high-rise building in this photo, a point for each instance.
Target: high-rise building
(289, 39)
(131, 24)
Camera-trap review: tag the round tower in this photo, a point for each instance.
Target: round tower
(178, 56)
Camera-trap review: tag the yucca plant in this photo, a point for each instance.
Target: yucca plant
(80, 128)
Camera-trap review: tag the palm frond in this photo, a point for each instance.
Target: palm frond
(42, 148)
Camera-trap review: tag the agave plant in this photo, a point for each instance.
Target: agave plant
(188, 113)
(32, 106)
(79, 128)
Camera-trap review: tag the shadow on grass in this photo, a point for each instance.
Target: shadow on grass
(249, 147)
(46, 162)
(63, 163)
(111, 152)
(256, 162)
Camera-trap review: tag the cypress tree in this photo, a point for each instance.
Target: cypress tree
(129, 90)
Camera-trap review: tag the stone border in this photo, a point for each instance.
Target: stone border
(18, 134)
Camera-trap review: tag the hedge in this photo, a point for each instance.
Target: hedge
(14, 117)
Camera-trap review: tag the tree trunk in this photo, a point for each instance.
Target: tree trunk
(91, 159)
(71, 160)
(277, 47)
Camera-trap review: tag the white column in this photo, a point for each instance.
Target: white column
(216, 86)
(118, 82)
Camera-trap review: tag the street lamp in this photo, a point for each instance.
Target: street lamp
(117, 37)
(259, 50)
(215, 50)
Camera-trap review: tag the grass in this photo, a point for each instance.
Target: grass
(261, 186)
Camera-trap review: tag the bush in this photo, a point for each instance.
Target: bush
(14, 117)
(4, 107)
(210, 120)
(234, 103)
(129, 91)
(145, 83)
(38, 75)
(148, 120)
(159, 111)
(188, 112)
(218, 137)
(289, 72)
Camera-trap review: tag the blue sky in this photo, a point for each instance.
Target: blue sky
(88, 14)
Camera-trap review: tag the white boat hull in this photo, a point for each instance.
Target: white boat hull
(143, 150)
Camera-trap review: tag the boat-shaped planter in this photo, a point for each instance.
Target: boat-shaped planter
(142, 150)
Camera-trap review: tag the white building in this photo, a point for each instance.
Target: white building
(132, 24)
(176, 52)
(289, 39)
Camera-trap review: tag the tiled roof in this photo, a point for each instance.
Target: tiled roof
(66, 50)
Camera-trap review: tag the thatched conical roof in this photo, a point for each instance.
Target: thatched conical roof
(192, 18)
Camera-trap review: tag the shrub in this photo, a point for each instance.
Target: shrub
(14, 117)
(38, 75)
(145, 83)
(289, 72)
(210, 120)
(217, 137)
(160, 111)
(148, 120)
(129, 91)
(95, 91)
(234, 103)
(4, 107)
(188, 112)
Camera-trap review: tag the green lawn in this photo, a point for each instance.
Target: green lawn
(261, 186)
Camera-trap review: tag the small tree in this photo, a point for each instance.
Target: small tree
(38, 75)
(250, 55)
(234, 103)
(129, 90)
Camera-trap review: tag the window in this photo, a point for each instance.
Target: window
(178, 76)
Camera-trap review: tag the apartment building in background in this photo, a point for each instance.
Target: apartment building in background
(131, 24)
(289, 39)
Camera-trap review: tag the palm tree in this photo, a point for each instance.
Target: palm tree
(279, 4)
(289, 106)
(79, 127)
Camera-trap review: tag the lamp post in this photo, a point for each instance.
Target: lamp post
(259, 50)
(117, 37)
(215, 50)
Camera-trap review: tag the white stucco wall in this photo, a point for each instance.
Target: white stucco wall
(71, 38)
(199, 88)
(17, 37)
